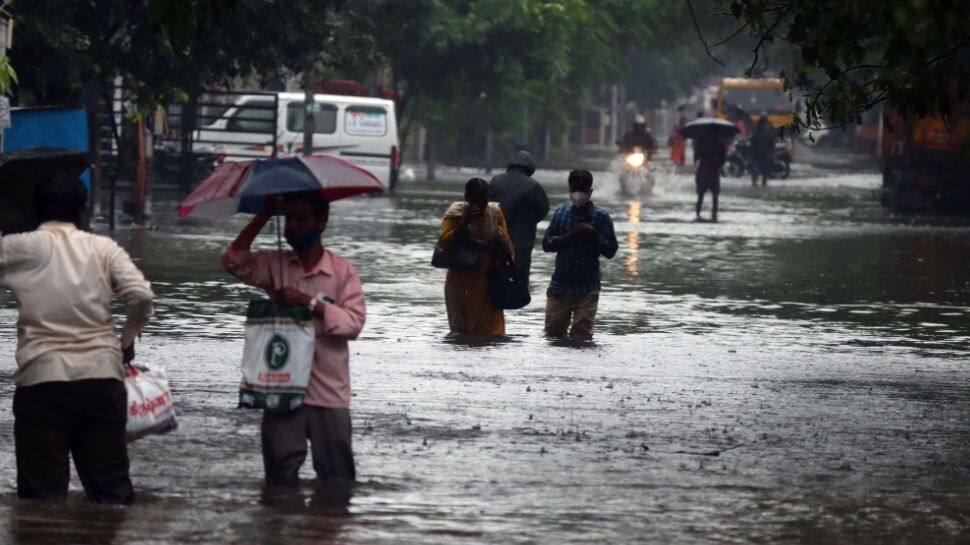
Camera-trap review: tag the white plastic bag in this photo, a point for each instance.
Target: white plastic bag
(150, 410)
(277, 356)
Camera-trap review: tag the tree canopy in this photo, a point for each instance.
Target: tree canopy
(850, 55)
(167, 49)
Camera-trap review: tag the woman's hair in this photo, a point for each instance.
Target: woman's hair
(476, 185)
(61, 198)
(319, 204)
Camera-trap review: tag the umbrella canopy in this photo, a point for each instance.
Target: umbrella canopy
(709, 127)
(20, 171)
(241, 186)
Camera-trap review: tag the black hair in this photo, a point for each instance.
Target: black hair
(319, 204)
(581, 177)
(61, 198)
(476, 184)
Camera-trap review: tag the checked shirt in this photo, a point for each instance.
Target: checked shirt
(577, 266)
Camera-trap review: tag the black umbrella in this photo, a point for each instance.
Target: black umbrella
(20, 171)
(707, 127)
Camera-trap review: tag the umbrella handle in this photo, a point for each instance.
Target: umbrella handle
(279, 250)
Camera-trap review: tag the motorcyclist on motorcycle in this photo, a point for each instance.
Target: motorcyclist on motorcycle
(638, 137)
(636, 149)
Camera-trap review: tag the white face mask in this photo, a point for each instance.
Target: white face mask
(579, 198)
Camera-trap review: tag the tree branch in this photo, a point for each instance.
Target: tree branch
(700, 35)
(731, 37)
(770, 31)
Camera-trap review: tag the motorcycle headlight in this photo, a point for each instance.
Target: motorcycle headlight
(635, 159)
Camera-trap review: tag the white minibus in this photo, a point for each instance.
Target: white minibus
(361, 130)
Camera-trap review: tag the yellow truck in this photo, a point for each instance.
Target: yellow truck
(755, 95)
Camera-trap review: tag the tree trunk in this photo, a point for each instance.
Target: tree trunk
(430, 146)
(489, 149)
(189, 122)
(546, 141)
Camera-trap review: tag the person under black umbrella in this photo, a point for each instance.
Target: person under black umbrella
(711, 137)
(711, 153)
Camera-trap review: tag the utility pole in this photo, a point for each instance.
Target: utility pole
(309, 106)
(614, 114)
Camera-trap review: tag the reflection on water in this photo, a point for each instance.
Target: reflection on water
(74, 521)
(633, 241)
(820, 339)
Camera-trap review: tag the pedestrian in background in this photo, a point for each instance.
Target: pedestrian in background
(579, 233)
(762, 150)
(711, 153)
(70, 398)
(677, 143)
(524, 204)
(481, 226)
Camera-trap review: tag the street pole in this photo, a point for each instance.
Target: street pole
(614, 114)
(309, 120)
(98, 119)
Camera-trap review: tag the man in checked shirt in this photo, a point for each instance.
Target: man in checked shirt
(579, 233)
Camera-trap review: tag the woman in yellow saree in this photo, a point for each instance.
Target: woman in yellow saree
(480, 225)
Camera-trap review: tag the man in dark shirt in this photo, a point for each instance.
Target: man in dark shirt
(762, 150)
(524, 204)
(579, 233)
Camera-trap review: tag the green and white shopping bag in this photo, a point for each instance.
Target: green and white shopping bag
(277, 356)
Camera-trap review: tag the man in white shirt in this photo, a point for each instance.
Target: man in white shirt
(70, 395)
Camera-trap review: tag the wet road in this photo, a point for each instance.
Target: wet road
(812, 343)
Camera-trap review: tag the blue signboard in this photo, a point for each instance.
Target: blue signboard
(48, 128)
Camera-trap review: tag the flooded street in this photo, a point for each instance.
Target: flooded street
(794, 374)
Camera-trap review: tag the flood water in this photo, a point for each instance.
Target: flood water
(814, 344)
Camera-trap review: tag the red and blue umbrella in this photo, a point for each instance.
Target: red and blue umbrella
(241, 186)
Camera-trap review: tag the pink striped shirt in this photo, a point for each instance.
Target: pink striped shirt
(343, 320)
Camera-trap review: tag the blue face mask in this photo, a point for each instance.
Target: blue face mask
(304, 243)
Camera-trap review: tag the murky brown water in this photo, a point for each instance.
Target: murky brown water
(816, 342)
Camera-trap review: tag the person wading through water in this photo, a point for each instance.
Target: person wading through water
(318, 278)
(711, 153)
(481, 226)
(524, 204)
(70, 396)
(579, 233)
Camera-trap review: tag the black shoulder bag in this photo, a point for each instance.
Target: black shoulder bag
(463, 257)
(508, 287)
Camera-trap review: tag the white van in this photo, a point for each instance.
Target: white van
(361, 130)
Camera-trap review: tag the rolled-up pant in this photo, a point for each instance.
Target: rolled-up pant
(284, 437)
(84, 419)
(577, 315)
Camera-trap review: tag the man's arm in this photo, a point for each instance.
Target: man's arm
(11, 257)
(345, 317)
(129, 283)
(240, 261)
(550, 242)
(606, 241)
(3, 264)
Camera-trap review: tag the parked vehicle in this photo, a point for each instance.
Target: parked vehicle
(738, 161)
(756, 95)
(361, 130)
(926, 163)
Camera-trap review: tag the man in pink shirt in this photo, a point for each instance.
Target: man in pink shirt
(316, 277)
